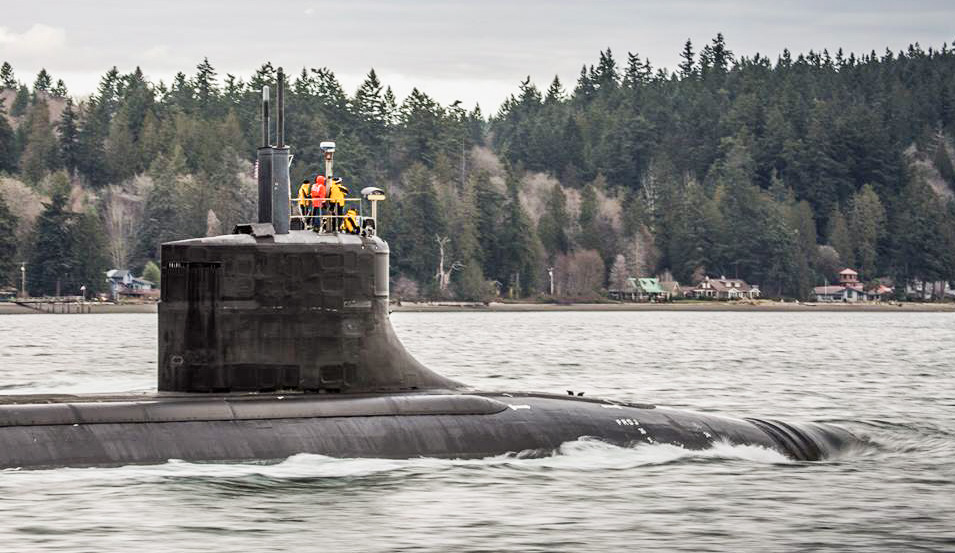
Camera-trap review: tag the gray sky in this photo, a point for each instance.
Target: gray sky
(472, 51)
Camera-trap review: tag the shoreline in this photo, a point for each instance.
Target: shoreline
(714, 306)
(495, 307)
(10, 308)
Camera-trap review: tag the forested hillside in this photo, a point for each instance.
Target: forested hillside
(777, 171)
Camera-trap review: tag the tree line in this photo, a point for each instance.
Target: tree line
(779, 172)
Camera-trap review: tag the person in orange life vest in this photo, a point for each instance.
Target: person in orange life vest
(318, 197)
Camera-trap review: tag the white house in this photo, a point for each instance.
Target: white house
(122, 282)
(726, 289)
(849, 289)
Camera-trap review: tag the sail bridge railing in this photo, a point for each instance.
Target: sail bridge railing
(325, 219)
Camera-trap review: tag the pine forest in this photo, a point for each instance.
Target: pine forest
(780, 172)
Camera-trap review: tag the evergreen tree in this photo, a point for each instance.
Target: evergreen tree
(921, 237)
(51, 244)
(489, 224)
(369, 103)
(69, 137)
(943, 163)
(43, 82)
(691, 241)
(182, 95)
(799, 218)
(8, 245)
(7, 78)
(423, 220)
(152, 273)
(688, 65)
(40, 153)
(470, 283)
(120, 148)
(606, 73)
(21, 102)
(206, 88)
(95, 129)
(60, 90)
(163, 208)
(555, 92)
(88, 258)
(421, 119)
(586, 87)
(867, 229)
(520, 251)
(552, 227)
(373, 120)
(839, 237)
(263, 76)
(637, 73)
(589, 238)
(463, 225)
(8, 145)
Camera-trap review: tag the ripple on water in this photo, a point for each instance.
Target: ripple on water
(895, 492)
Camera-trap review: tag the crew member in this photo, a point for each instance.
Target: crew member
(318, 199)
(350, 222)
(304, 209)
(336, 199)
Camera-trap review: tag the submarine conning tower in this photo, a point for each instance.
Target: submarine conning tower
(268, 308)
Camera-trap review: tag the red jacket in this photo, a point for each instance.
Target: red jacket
(318, 194)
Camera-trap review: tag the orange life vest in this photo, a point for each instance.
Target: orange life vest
(318, 194)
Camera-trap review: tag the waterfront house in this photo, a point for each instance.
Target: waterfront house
(122, 283)
(848, 289)
(879, 292)
(639, 289)
(725, 289)
(836, 292)
(650, 289)
(671, 289)
(629, 292)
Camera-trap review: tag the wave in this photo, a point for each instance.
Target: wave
(583, 455)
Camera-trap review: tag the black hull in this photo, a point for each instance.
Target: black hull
(77, 431)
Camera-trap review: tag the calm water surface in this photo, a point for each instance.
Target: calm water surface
(885, 376)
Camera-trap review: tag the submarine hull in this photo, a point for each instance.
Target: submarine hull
(120, 431)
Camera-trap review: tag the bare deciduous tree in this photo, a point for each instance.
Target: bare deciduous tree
(443, 276)
(213, 225)
(122, 213)
(579, 274)
(619, 273)
(642, 253)
(405, 289)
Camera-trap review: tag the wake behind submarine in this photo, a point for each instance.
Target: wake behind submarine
(274, 342)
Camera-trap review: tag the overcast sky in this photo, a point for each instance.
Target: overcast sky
(472, 51)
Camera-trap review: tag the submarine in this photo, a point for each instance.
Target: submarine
(274, 341)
